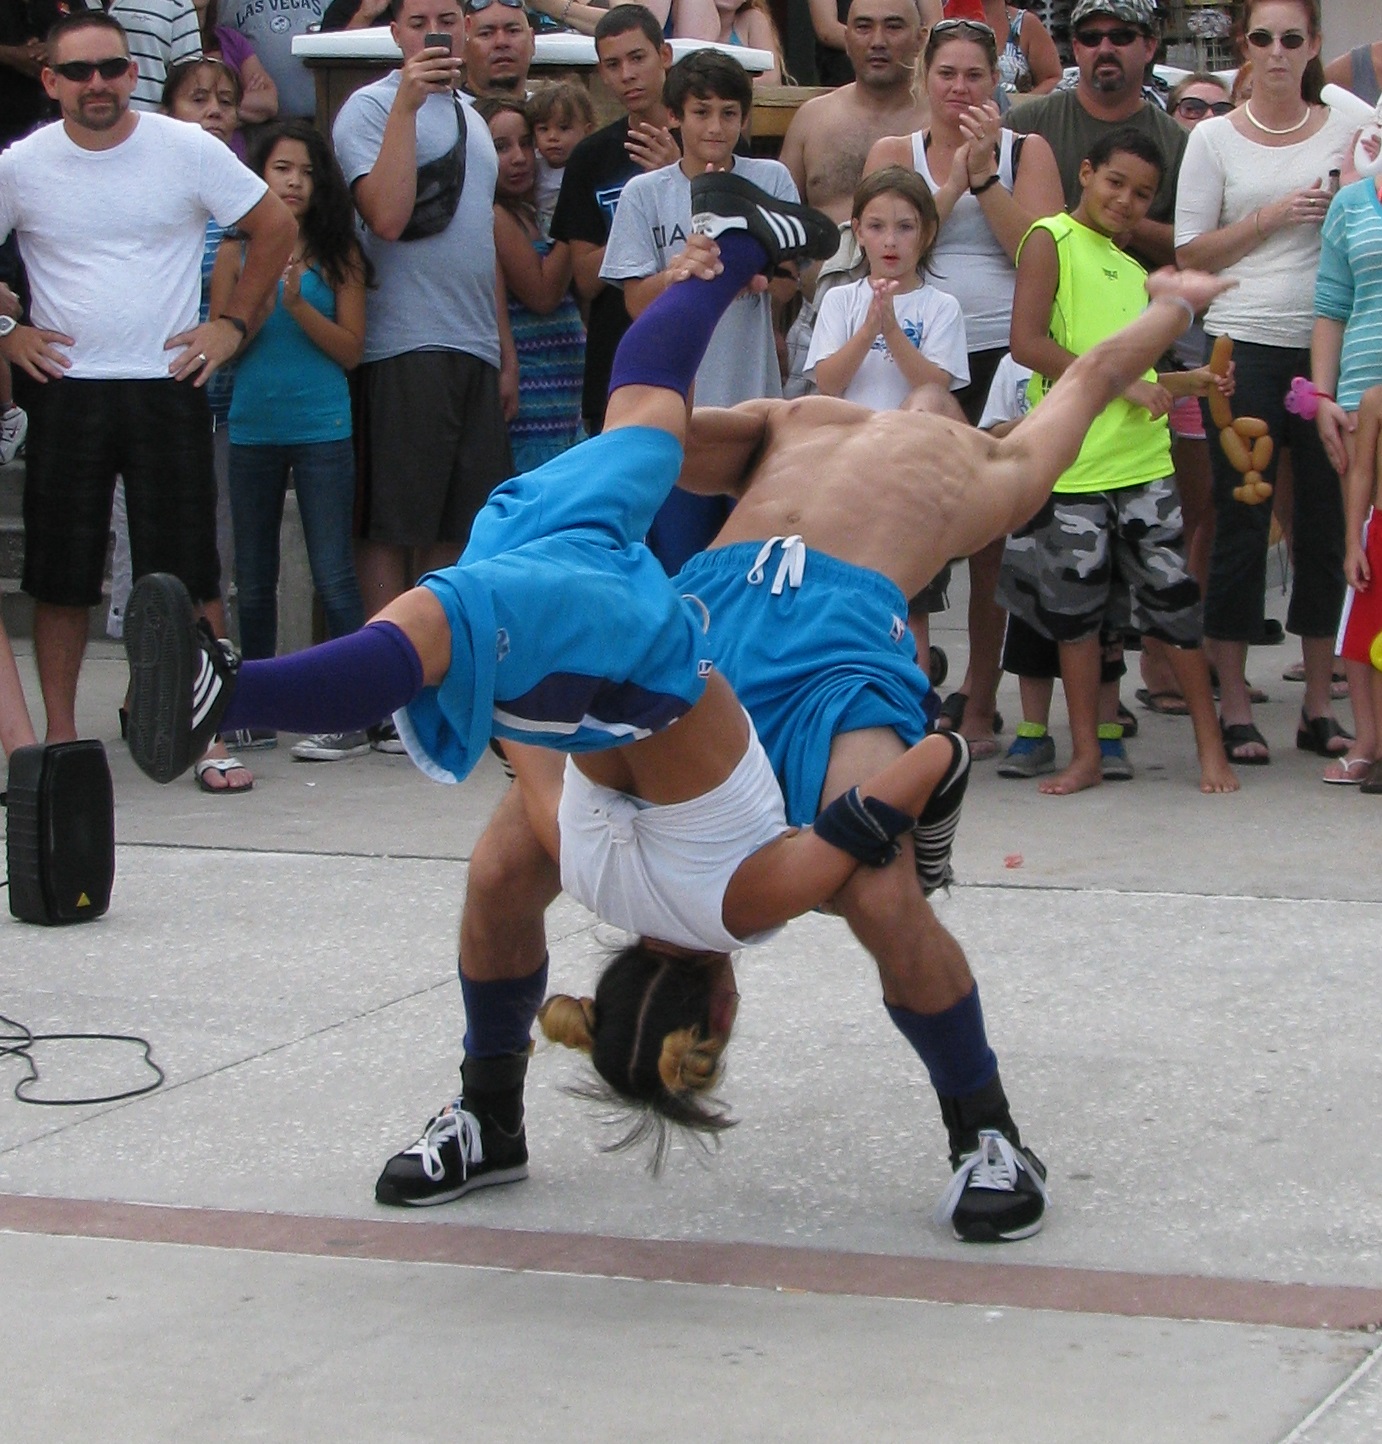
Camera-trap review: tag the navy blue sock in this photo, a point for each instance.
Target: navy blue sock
(952, 1044)
(344, 685)
(666, 344)
(499, 1014)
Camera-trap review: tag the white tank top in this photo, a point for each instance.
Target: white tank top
(968, 262)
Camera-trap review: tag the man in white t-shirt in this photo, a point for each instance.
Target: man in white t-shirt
(110, 209)
(709, 95)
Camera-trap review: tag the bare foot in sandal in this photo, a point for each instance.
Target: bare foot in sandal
(219, 772)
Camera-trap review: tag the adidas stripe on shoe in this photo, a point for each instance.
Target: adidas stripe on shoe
(181, 677)
(723, 202)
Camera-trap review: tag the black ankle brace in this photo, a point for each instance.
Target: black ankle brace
(964, 1117)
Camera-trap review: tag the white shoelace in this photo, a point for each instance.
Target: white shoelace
(452, 1122)
(994, 1165)
(790, 568)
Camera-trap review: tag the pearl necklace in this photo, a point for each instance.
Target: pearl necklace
(1285, 130)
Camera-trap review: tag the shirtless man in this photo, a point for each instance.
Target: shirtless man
(830, 137)
(938, 489)
(814, 642)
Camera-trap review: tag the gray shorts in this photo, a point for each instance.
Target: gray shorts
(432, 446)
(1083, 551)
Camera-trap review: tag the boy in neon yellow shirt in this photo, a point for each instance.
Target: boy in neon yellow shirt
(1113, 523)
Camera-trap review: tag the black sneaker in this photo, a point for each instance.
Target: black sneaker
(933, 837)
(181, 677)
(454, 1155)
(723, 202)
(998, 1193)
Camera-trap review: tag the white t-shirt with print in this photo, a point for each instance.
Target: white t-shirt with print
(651, 224)
(931, 320)
(1007, 398)
(112, 239)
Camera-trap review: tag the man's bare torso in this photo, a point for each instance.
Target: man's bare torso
(897, 492)
(838, 131)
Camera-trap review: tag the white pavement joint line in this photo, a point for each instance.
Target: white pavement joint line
(281, 851)
(172, 1086)
(1152, 892)
(1298, 1434)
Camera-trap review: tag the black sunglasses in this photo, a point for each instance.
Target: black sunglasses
(1262, 39)
(1121, 37)
(79, 71)
(1197, 109)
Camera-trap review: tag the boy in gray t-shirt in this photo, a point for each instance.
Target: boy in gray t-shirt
(709, 94)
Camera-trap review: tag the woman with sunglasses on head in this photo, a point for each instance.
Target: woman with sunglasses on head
(989, 186)
(1254, 191)
(1028, 62)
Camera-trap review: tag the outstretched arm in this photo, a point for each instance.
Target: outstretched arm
(1026, 464)
(799, 871)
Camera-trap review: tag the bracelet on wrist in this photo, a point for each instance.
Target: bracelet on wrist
(984, 185)
(241, 326)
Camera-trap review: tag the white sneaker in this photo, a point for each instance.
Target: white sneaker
(14, 427)
(330, 747)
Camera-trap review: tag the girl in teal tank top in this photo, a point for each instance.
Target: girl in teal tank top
(290, 410)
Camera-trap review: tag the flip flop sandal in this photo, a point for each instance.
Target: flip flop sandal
(952, 714)
(1164, 704)
(225, 766)
(1243, 734)
(1354, 771)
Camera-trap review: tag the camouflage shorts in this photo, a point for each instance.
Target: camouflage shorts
(1083, 551)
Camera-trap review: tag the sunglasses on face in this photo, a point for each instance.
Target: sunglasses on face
(1120, 37)
(1196, 109)
(1262, 39)
(80, 71)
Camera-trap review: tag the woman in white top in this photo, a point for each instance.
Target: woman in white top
(989, 186)
(1254, 190)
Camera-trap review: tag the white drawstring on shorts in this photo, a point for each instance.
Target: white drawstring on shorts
(790, 568)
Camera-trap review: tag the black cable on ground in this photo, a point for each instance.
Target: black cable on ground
(19, 1043)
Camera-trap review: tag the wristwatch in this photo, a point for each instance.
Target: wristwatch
(7, 324)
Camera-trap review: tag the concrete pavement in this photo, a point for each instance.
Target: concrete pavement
(1179, 989)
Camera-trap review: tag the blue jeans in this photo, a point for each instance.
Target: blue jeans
(324, 479)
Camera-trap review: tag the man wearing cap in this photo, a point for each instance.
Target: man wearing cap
(1114, 42)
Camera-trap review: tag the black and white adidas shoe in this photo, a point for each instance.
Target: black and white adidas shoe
(933, 837)
(721, 201)
(181, 677)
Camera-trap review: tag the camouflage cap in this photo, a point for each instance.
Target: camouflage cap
(1134, 12)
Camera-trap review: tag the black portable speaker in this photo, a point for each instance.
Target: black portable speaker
(60, 832)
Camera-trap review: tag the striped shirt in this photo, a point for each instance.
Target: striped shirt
(1348, 286)
(161, 32)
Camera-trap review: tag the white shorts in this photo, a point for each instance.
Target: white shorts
(661, 871)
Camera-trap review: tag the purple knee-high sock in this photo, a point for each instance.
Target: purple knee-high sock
(666, 344)
(341, 686)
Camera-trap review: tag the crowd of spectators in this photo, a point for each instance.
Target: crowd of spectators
(460, 260)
